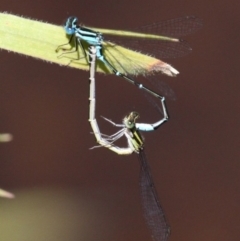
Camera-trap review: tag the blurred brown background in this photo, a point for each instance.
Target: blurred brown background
(64, 191)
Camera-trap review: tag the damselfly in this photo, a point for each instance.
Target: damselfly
(153, 211)
(113, 57)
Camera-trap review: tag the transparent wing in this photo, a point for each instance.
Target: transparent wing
(177, 27)
(162, 87)
(155, 81)
(157, 48)
(153, 211)
(162, 49)
(130, 65)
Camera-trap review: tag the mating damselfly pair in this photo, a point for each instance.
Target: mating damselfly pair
(115, 61)
(159, 39)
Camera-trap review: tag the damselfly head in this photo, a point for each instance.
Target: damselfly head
(130, 120)
(71, 25)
